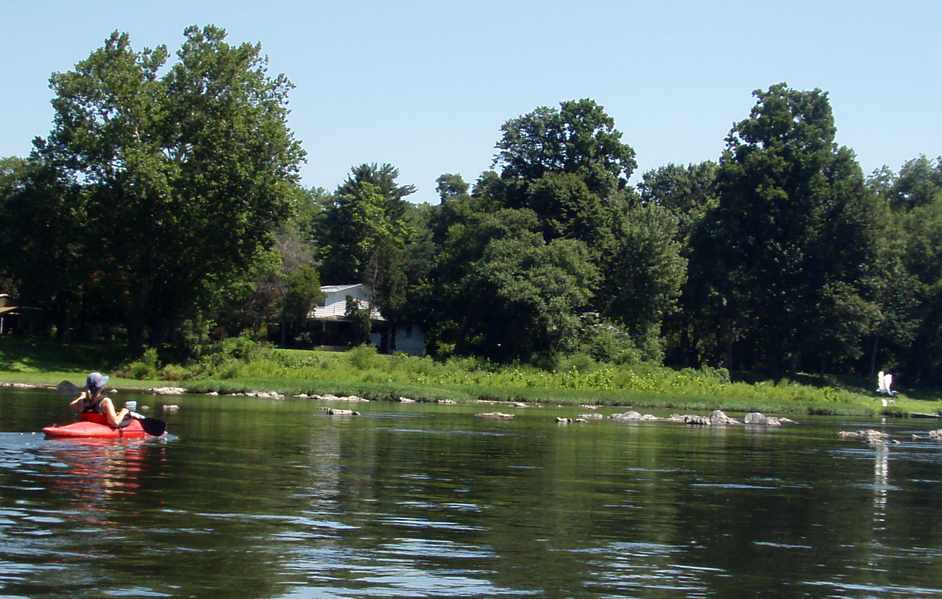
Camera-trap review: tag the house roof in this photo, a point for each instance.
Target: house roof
(17, 309)
(336, 288)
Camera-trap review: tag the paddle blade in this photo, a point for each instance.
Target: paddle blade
(67, 389)
(151, 426)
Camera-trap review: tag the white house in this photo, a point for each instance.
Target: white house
(333, 308)
(334, 304)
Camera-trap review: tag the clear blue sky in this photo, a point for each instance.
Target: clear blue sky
(426, 85)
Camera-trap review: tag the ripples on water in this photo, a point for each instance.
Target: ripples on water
(295, 504)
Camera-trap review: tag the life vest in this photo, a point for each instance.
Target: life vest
(93, 412)
(92, 405)
(102, 419)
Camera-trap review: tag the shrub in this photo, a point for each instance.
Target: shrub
(143, 368)
(242, 348)
(720, 375)
(578, 362)
(364, 357)
(218, 356)
(607, 342)
(174, 372)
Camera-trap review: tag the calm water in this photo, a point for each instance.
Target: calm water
(256, 498)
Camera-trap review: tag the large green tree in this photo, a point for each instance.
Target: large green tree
(919, 182)
(923, 257)
(646, 276)
(793, 236)
(908, 275)
(579, 137)
(44, 246)
(498, 288)
(688, 193)
(570, 167)
(182, 173)
(367, 212)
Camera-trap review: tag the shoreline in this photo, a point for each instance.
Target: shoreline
(513, 397)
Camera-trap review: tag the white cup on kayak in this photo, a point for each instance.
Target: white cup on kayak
(130, 405)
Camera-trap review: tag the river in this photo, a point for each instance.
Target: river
(262, 498)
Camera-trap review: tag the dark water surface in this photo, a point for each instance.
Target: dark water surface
(258, 498)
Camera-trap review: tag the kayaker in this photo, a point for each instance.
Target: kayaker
(93, 399)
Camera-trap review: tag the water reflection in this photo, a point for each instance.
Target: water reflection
(881, 476)
(95, 472)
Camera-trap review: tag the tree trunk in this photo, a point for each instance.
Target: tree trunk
(135, 324)
(873, 355)
(137, 317)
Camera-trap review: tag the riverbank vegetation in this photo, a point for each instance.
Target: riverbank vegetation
(241, 365)
(164, 214)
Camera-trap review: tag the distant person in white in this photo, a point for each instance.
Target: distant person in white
(884, 385)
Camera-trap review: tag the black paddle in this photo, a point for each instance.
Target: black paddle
(151, 426)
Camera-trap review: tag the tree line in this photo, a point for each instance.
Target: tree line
(165, 208)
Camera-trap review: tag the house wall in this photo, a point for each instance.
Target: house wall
(335, 302)
(410, 339)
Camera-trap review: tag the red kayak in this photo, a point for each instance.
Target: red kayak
(95, 426)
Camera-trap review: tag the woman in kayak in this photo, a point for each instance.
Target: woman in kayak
(93, 399)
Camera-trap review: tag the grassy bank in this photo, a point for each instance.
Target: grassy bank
(246, 367)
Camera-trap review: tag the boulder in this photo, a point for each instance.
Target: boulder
(405, 400)
(629, 416)
(167, 390)
(347, 398)
(339, 412)
(22, 386)
(445, 401)
(495, 415)
(869, 435)
(633, 416)
(936, 434)
(170, 407)
(719, 418)
(696, 420)
(561, 420)
(265, 394)
(756, 418)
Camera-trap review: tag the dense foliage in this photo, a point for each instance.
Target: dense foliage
(157, 186)
(164, 209)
